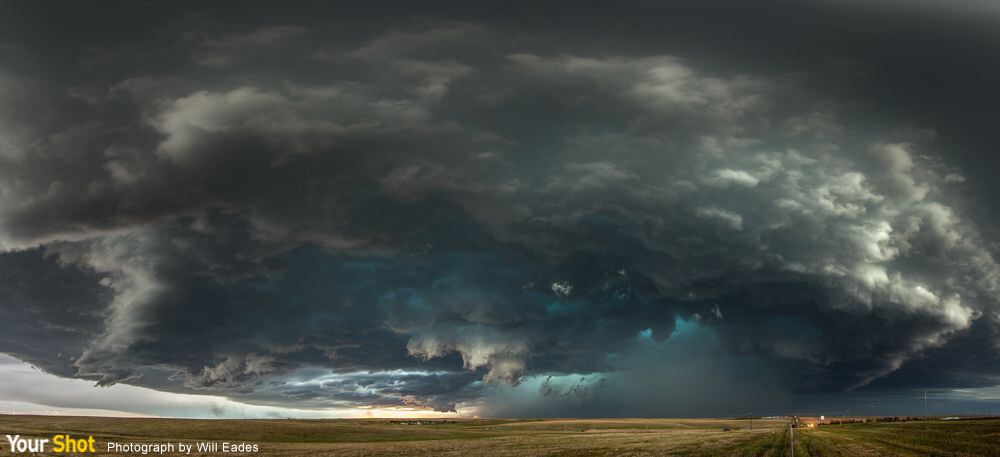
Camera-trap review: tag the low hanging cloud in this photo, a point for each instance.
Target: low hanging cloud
(400, 221)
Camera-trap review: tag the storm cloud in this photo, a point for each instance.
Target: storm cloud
(330, 208)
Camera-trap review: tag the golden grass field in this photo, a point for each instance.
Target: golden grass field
(549, 437)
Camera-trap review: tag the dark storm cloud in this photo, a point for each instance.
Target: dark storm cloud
(342, 208)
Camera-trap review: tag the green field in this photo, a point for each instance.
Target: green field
(551, 437)
(969, 437)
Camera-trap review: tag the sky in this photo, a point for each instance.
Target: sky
(511, 209)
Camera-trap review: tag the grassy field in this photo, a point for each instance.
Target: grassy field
(967, 437)
(553, 437)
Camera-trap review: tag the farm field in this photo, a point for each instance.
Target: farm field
(968, 437)
(502, 437)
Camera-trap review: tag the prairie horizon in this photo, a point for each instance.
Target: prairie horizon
(522, 437)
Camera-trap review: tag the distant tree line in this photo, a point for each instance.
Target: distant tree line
(894, 419)
(422, 422)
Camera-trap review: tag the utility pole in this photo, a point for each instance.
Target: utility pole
(751, 421)
(925, 404)
(791, 439)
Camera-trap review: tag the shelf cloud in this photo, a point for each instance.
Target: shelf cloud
(323, 208)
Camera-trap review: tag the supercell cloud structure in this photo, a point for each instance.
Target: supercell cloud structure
(451, 208)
